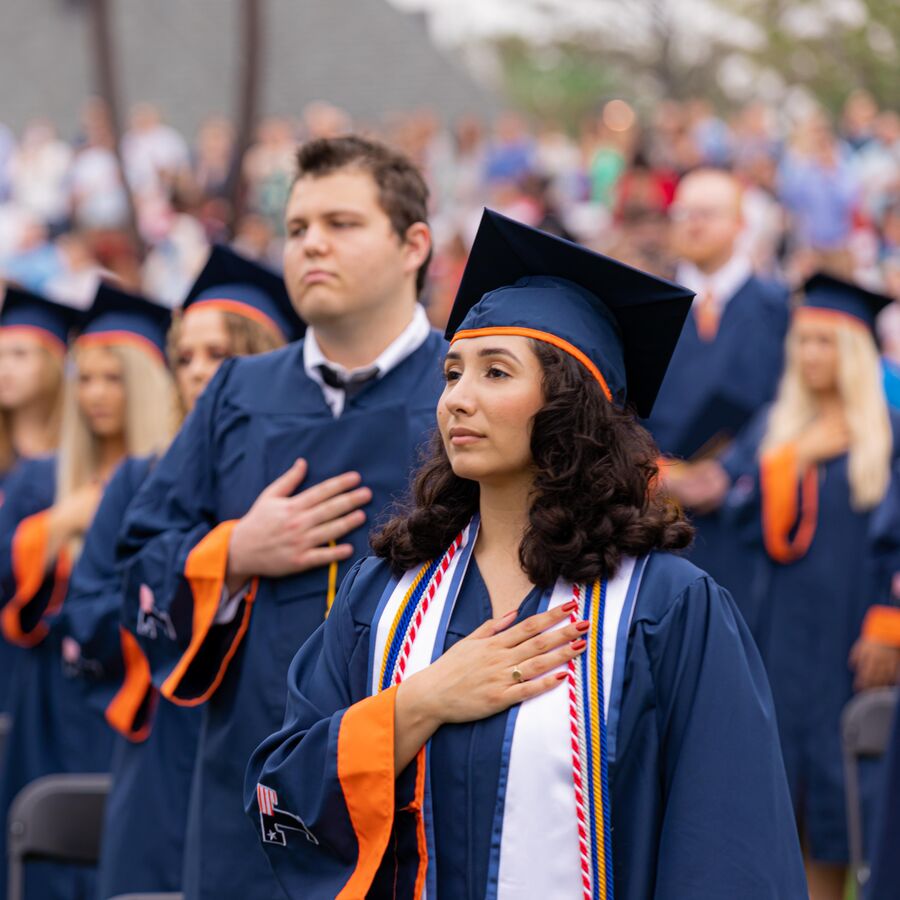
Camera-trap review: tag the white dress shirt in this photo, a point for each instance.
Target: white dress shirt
(721, 285)
(411, 338)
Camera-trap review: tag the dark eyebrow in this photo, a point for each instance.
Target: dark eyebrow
(487, 351)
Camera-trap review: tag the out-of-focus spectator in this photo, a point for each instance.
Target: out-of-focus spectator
(155, 155)
(325, 120)
(78, 274)
(878, 164)
(31, 260)
(858, 119)
(253, 237)
(818, 186)
(608, 160)
(269, 170)
(99, 200)
(38, 174)
(7, 148)
(511, 151)
(214, 157)
(710, 134)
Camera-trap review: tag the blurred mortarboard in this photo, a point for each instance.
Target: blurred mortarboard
(621, 323)
(232, 283)
(117, 316)
(832, 296)
(49, 322)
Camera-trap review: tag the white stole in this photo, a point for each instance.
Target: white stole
(538, 848)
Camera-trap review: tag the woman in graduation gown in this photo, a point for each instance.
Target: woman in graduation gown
(811, 483)
(33, 342)
(238, 309)
(32, 350)
(525, 694)
(119, 402)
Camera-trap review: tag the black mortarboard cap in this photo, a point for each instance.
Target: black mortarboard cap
(117, 315)
(51, 322)
(826, 292)
(233, 283)
(621, 323)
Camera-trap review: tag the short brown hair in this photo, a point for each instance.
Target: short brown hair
(402, 191)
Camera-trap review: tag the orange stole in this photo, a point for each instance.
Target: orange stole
(29, 563)
(778, 478)
(365, 765)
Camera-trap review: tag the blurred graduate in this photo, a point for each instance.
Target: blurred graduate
(727, 362)
(235, 308)
(525, 693)
(811, 491)
(119, 402)
(33, 342)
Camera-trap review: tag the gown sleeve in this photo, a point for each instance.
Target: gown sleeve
(882, 621)
(173, 553)
(322, 791)
(32, 586)
(728, 827)
(93, 604)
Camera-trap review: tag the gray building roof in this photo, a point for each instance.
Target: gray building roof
(363, 55)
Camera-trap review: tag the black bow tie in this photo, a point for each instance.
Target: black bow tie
(351, 385)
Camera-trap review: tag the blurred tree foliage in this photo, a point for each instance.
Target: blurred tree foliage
(560, 83)
(830, 46)
(643, 50)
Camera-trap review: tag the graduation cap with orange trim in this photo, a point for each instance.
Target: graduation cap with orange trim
(621, 323)
(830, 294)
(51, 322)
(117, 316)
(230, 282)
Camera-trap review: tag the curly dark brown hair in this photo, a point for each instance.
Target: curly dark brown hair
(595, 494)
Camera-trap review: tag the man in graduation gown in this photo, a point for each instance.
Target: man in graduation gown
(729, 356)
(239, 537)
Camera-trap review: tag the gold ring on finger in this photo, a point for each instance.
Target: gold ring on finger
(517, 674)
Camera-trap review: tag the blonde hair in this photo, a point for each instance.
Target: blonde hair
(862, 396)
(52, 385)
(150, 419)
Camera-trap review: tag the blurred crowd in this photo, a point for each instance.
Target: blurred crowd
(819, 190)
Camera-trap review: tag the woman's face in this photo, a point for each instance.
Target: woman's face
(493, 389)
(203, 343)
(816, 349)
(101, 391)
(23, 376)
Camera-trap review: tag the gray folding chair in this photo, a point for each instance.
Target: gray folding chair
(58, 818)
(865, 732)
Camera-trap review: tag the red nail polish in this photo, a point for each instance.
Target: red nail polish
(578, 645)
(582, 626)
(568, 607)
(560, 676)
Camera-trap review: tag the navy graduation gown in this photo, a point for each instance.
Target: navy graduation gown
(712, 389)
(9, 654)
(54, 728)
(805, 615)
(700, 806)
(885, 857)
(146, 811)
(255, 418)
